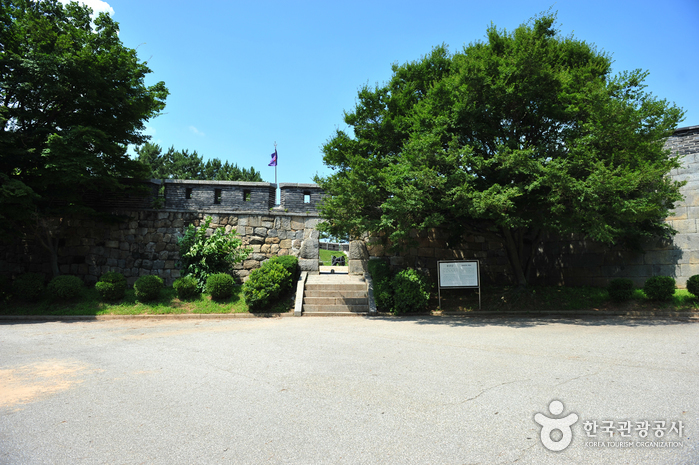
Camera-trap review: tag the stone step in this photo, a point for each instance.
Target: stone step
(331, 301)
(335, 308)
(333, 269)
(335, 286)
(335, 278)
(335, 293)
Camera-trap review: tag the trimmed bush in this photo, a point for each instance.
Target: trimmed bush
(410, 292)
(265, 285)
(659, 288)
(65, 287)
(620, 289)
(111, 286)
(693, 285)
(148, 287)
(186, 287)
(29, 286)
(290, 264)
(381, 277)
(220, 286)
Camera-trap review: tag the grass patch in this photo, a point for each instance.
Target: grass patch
(494, 299)
(326, 256)
(89, 303)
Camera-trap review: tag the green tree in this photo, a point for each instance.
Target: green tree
(72, 97)
(175, 164)
(524, 134)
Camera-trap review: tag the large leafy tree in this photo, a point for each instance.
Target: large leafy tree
(72, 97)
(181, 164)
(524, 134)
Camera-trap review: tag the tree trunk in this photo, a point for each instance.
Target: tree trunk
(513, 253)
(53, 252)
(51, 245)
(49, 235)
(534, 250)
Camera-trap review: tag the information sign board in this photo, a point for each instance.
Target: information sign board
(458, 274)
(454, 274)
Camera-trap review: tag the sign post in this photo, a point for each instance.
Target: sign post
(458, 274)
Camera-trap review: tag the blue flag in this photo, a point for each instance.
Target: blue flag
(274, 159)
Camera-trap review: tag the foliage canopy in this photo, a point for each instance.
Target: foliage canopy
(72, 98)
(525, 133)
(181, 164)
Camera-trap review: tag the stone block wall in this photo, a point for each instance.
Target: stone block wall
(572, 261)
(432, 248)
(146, 243)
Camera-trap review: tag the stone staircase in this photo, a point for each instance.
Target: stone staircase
(335, 294)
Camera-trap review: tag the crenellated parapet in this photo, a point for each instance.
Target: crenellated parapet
(218, 195)
(237, 196)
(300, 197)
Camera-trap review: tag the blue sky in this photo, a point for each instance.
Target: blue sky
(244, 75)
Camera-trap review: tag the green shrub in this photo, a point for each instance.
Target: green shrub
(659, 288)
(65, 287)
(381, 277)
(410, 292)
(186, 287)
(264, 285)
(220, 286)
(620, 289)
(148, 287)
(29, 286)
(290, 264)
(693, 285)
(202, 255)
(111, 286)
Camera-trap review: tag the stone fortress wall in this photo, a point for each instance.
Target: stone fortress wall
(147, 242)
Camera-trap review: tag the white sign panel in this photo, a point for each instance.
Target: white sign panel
(458, 274)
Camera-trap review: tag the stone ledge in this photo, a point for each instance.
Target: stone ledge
(300, 285)
(301, 185)
(272, 212)
(220, 183)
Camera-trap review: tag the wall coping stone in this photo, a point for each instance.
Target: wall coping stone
(208, 212)
(217, 183)
(679, 131)
(296, 184)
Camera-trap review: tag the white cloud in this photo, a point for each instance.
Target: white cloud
(196, 131)
(98, 6)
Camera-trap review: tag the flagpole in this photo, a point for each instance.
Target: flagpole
(275, 165)
(276, 189)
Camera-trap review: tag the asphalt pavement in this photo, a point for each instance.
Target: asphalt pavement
(358, 390)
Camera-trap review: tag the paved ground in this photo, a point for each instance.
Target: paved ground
(343, 390)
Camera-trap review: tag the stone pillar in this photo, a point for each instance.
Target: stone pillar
(309, 254)
(358, 257)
